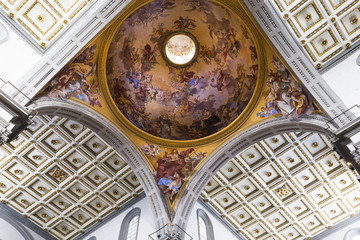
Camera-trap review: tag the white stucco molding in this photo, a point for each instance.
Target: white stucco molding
(233, 147)
(4, 34)
(279, 36)
(115, 138)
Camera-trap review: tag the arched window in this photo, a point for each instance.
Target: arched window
(12, 229)
(130, 225)
(4, 35)
(206, 231)
(352, 234)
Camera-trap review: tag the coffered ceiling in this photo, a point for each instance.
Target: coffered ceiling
(291, 186)
(324, 28)
(43, 20)
(63, 177)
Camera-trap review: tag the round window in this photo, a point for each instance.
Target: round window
(180, 49)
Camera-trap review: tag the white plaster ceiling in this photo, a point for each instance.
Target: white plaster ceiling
(324, 28)
(64, 177)
(290, 186)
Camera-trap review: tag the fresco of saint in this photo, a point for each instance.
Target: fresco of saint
(286, 95)
(76, 80)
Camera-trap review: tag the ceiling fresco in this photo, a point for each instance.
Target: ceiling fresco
(193, 101)
(77, 80)
(286, 97)
(190, 110)
(172, 167)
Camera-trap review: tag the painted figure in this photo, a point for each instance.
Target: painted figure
(286, 95)
(75, 80)
(172, 168)
(182, 103)
(173, 184)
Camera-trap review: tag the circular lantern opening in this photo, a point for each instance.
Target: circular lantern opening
(180, 49)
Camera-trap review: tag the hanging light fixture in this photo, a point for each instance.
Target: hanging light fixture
(170, 232)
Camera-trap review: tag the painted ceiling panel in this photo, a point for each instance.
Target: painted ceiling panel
(120, 74)
(170, 100)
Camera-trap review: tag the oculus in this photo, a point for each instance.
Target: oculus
(180, 49)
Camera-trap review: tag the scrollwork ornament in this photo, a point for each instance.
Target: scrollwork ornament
(4, 136)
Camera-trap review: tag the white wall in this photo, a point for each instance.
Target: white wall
(339, 235)
(34, 234)
(16, 56)
(11, 232)
(344, 79)
(111, 230)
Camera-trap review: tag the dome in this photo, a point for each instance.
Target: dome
(181, 70)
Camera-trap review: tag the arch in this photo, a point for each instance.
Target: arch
(201, 214)
(235, 145)
(126, 223)
(358, 60)
(354, 232)
(114, 137)
(21, 229)
(4, 34)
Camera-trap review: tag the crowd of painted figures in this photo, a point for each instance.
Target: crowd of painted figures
(286, 95)
(172, 167)
(181, 103)
(77, 80)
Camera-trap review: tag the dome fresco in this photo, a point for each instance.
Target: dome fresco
(195, 99)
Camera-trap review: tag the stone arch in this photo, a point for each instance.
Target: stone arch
(115, 138)
(237, 144)
(4, 34)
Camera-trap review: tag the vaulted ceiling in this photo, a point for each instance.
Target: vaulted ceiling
(289, 186)
(324, 29)
(44, 22)
(64, 177)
